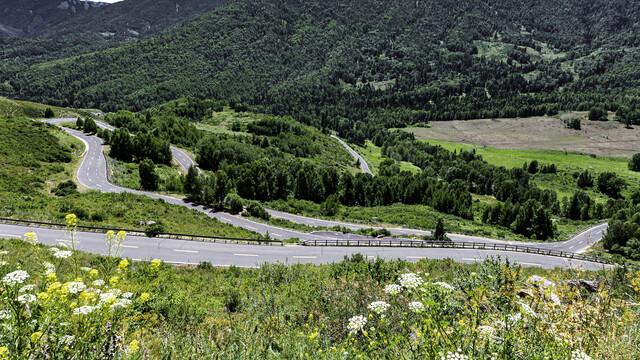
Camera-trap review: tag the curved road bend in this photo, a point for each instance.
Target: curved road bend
(92, 173)
(220, 254)
(363, 163)
(178, 154)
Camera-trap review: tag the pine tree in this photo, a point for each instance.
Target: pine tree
(439, 234)
(192, 185)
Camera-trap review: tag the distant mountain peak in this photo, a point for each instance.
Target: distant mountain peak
(19, 18)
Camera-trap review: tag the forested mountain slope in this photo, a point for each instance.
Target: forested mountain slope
(97, 29)
(354, 66)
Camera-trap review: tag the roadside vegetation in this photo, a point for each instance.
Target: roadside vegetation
(39, 162)
(87, 306)
(281, 163)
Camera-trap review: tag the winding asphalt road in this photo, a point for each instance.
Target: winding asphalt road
(92, 173)
(363, 163)
(220, 254)
(179, 155)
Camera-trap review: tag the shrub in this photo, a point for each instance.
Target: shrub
(634, 163)
(256, 209)
(65, 188)
(235, 203)
(48, 113)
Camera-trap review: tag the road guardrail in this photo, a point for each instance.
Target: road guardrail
(389, 242)
(148, 233)
(457, 245)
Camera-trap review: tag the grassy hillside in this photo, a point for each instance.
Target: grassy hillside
(102, 306)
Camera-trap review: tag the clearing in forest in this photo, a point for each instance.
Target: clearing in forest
(602, 138)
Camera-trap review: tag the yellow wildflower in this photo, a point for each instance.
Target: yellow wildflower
(144, 297)
(52, 277)
(43, 296)
(133, 346)
(53, 287)
(155, 264)
(31, 238)
(87, 295)
(4, 352)
(36, 336)
(123, 265)
(114, 280)
(93, 273)
(71, 220)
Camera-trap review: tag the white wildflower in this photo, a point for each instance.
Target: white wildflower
(458, 355)
(410, 281)
(4, 252)
(16, 277)
(392, 289)
(120, 303)
(86, 269)
(107, 298)
(356, 323)
(114, 292)
(27, 298)
(127, 295)
(63, 254)
(5, 314)
(378, 307)
(49, 268)
(3, 263)
(579, 355)
(416, 307)
(66, 340)
(98, 283)
(486, 330)
(443, 285)
(515, 318)
(527, 310)
(27, 288)
(84, 310)
(75, 287)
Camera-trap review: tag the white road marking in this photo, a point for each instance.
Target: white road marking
(472, 259)
(278, 235)
(130, 246)
(186, 251)
(251, 227)
(571, 247)
(304, 257)
(63, 241)
(224, 219)
(251, 255)
(416, 257)
(12, 236)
